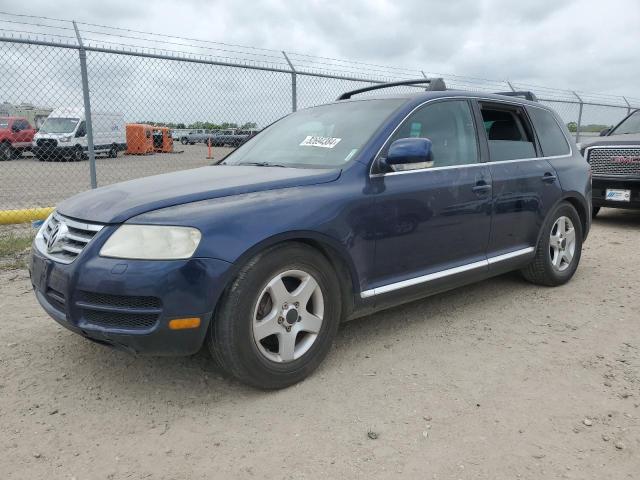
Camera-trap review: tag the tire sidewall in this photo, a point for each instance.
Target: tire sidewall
(237, 315)
(562, 210)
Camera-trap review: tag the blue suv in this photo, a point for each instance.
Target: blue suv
(329, 214)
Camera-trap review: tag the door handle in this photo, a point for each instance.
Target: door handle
(549, 178)
(481, 188)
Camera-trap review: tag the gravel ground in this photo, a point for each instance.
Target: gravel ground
(501, 379)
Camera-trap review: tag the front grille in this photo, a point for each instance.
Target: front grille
(618, 161)
(121, 301)
(123, 312)
(64, 239)
(121, 320)
(50, 143)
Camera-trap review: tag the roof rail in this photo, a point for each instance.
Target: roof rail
(434, 84)
(524, 94)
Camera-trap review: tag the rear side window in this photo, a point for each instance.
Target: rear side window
(552, 140)
(509, 132)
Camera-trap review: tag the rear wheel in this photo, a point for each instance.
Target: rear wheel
(278, 318)
(559, 249)
(594, 212)
(6, 152)
(113, 151)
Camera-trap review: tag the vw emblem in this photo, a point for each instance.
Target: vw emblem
(57, 236)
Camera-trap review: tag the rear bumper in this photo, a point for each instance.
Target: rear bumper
(601, 184)
(92, 297)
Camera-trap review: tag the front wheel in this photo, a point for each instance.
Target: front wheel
(113, 151)
(6, 152)
(278, 318)
(184, 141)
(559, 249)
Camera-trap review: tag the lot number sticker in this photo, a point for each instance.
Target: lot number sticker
(322, 142)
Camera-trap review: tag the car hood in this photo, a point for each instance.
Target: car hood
(627, 139)
(119, 202)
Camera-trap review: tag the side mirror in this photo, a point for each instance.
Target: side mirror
(81, 133)
(605, 132)
(406, 151)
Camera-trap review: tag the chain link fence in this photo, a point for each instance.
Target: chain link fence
(107, 91)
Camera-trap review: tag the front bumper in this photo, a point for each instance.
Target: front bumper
(601, 184)
(128, 304)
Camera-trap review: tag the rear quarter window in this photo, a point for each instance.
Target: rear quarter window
(552, 139)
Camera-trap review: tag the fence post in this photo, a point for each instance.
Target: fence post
(87, 107)
(579, 116)
(294, 86)
(628, 105)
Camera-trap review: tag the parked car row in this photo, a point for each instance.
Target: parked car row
(218, 138)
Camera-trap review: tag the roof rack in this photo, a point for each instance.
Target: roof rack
(524, 94)
(434, 84)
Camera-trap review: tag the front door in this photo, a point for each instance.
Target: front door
(433, 218)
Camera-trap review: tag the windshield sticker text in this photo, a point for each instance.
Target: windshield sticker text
(323, 142)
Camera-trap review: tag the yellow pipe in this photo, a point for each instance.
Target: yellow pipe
(10, 217)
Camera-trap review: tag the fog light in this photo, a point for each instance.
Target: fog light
(184, 323)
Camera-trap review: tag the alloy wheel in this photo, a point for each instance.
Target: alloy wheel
(288, 316)
(562, 243)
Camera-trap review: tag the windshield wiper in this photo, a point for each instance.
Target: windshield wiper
(261, 164)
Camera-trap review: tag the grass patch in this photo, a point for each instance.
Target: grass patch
(14, 250)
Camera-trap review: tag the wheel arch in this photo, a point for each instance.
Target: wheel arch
(331, 249)
(576, 203)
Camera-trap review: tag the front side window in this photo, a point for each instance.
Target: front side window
(327, 136)
(630, 125)
(450, 127)
(509, 133)
(552, 140)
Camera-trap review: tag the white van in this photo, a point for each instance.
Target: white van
(64, 135)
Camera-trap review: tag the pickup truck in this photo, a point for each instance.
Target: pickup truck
(614, 158)
(16, 135)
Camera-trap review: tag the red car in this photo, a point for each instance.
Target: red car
(16, 135)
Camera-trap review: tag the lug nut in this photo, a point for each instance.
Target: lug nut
(297, 304)
(285, 306)
(288, 328)
(280, 320)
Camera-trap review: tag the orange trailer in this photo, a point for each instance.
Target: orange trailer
(162, 140)
(139, 139)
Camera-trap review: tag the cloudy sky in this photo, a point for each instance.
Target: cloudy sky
(579, 44)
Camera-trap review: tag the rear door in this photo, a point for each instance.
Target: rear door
(525, 185)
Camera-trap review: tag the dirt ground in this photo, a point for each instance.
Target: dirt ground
(497, 380)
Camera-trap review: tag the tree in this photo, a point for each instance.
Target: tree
(572, 126)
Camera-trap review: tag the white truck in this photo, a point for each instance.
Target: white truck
(63, 135)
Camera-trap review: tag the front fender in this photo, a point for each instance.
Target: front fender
(234, 228)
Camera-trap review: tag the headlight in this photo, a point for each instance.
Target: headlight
(65, 139)
(152, 242)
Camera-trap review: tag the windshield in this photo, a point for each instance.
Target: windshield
(59, 125)
(630, 125)
(327, 136)
(4, 123)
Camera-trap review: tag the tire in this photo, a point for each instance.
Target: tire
(184, 141)
(6, 152)
(77, 155)
(594, 212)
(113, 151)
(268, 363)
(550, 266)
